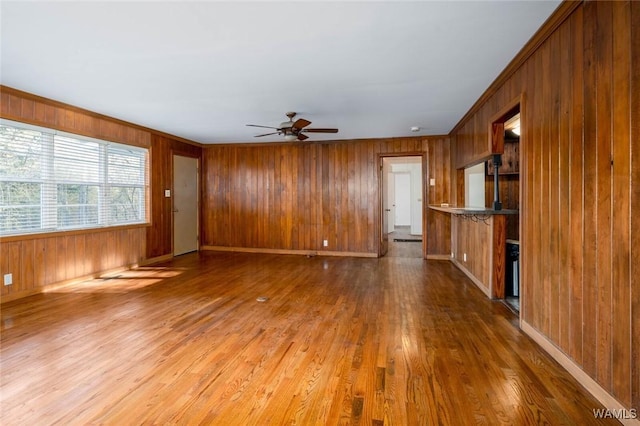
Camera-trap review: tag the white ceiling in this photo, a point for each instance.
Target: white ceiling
(202, 70)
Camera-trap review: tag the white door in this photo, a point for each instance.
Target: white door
(185, 204)
(402, 199)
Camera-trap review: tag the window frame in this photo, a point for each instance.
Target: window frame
(49, 184)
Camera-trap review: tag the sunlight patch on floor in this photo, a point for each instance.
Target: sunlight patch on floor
(121, 282)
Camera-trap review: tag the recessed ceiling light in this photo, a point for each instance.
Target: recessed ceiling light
(415, 129)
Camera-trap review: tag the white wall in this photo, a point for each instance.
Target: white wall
(474, 186)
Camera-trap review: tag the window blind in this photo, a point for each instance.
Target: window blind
(51, 181)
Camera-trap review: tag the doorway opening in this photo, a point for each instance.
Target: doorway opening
(402, 207)
(506, 140)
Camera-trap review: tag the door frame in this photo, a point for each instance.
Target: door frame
(382, 247)
(391, 196)
(496, 136)
(198, 158)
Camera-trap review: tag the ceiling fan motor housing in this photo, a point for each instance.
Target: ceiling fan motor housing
(292, 130)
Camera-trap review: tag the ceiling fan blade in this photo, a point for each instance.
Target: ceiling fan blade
(300, 123)
(302, 137)
(320, 130)
(257, 125)
(266, 134)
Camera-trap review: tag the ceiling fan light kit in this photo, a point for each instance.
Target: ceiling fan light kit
(293, 130)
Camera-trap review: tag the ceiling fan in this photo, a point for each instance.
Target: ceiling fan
(293, 130)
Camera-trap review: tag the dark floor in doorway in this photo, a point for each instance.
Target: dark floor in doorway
(513, 303)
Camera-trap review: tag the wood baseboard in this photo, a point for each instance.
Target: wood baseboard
(476, 281)
(438, 257)
(6, 298)
(157, 259)
(283, 251)
(608, 400)
(61, 284)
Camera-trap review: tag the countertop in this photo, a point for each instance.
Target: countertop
(471, 210)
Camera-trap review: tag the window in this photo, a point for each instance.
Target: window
(51, 181)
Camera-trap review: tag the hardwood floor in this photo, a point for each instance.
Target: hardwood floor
(404, 248)
(339, 341)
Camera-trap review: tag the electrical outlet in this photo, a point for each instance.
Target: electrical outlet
(8, 279)
(167, 193)
(325, 243)
(452, 255)
(432, 182)
(464, 257)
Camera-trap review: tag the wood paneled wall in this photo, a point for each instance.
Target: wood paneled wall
(438, 227)
(27, 108)
(472, 141)
(293, 196)
(40, 262)
(580, 227)
(473, 238)
(37, 262)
